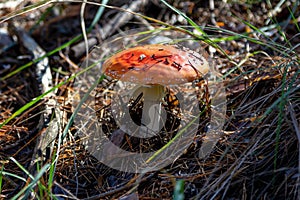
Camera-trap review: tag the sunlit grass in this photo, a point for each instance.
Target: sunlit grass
(288, 87)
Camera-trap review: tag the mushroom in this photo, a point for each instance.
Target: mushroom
(153, 67)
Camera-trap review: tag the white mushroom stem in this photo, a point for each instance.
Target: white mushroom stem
(153, 115)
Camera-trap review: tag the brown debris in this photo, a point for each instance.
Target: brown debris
(257, 156)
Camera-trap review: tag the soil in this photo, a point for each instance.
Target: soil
(256, 156)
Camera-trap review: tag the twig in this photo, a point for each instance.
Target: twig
(122, 18)
(119, 20)
(44, 77)
(71, 196)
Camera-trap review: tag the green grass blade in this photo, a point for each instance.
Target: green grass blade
(98, 14)
(189, 20)
(74, 114)
(281, 106)
(67, 44)
(26, 9)
(203, 35)
(21, 167)
(4, 173)
(35, 100)
(1, 178)
(179, 190)
(175, 137)
(51, 172)
(275, 104)
(294, 19)
(77, 38)
(26, 190)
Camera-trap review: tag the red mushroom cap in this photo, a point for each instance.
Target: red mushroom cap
(156, 64)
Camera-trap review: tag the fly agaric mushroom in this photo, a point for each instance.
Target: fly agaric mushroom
(153, 67)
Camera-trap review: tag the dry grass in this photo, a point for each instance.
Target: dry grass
(257, 156)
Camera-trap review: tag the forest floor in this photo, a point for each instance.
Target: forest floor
(45, 75)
